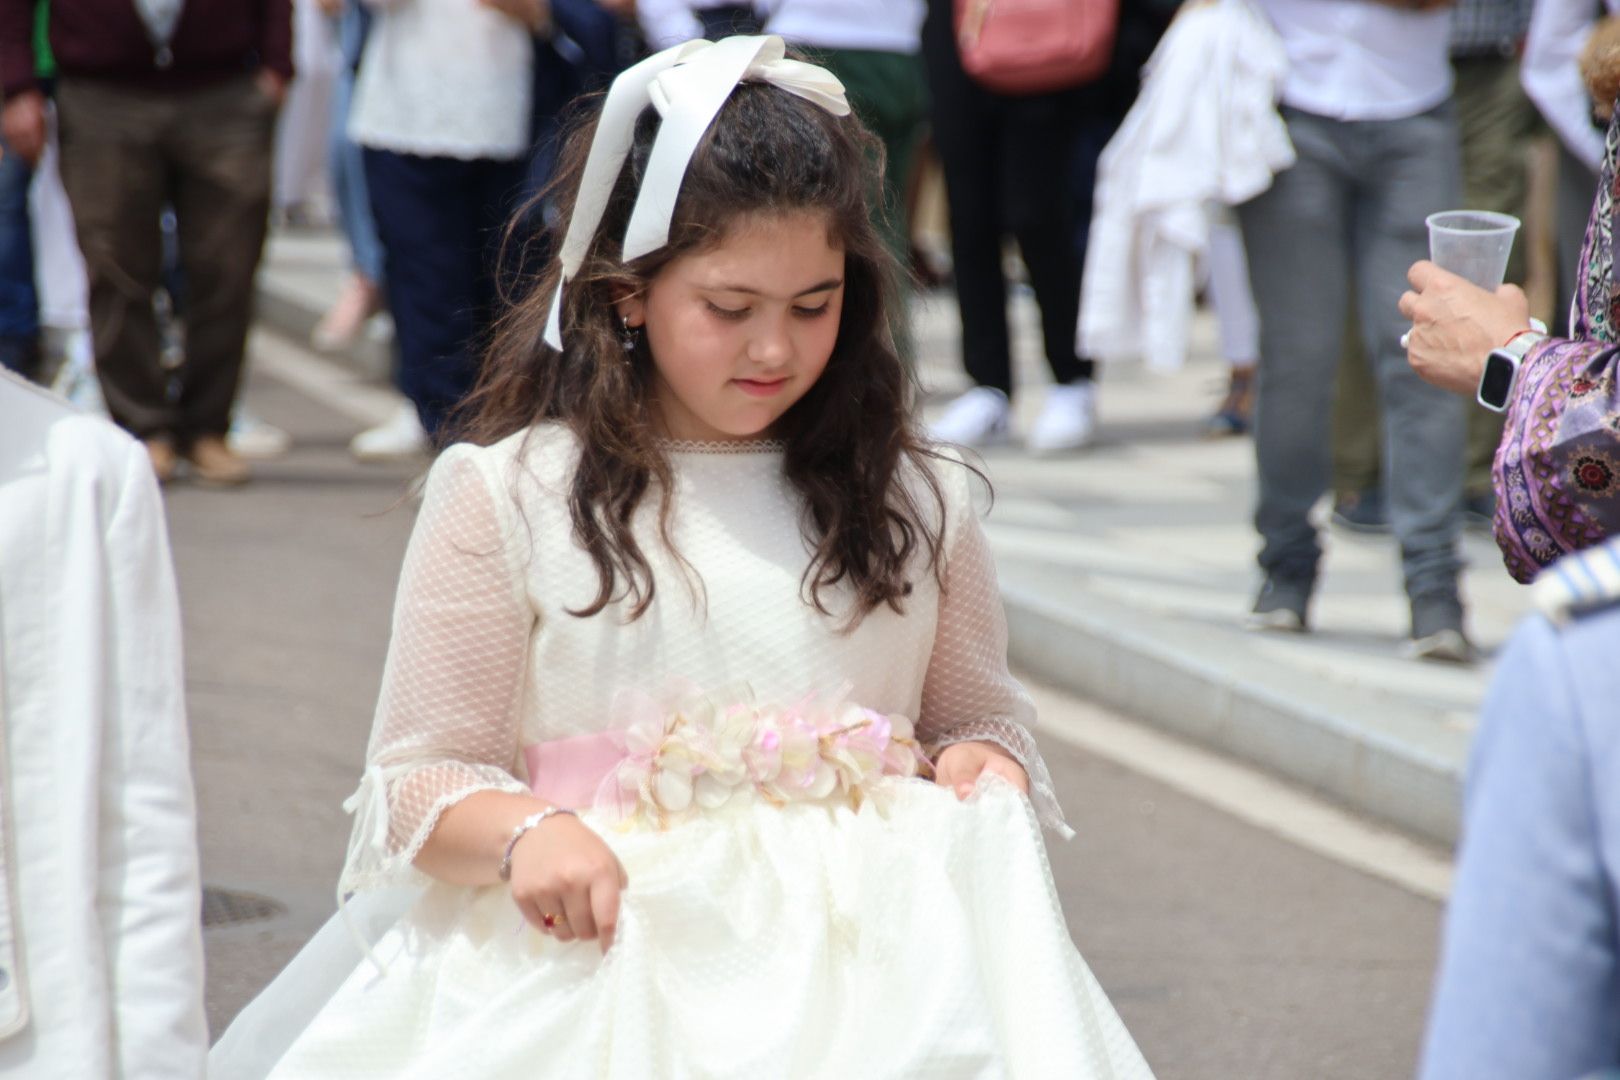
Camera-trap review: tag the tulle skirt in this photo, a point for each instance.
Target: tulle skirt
(918, 936)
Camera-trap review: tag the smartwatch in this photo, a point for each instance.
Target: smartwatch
(1502, 368)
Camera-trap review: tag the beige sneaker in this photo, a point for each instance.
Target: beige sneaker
(164, 460)
(212, 462)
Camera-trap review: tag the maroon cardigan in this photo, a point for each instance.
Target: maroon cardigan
(105, 39)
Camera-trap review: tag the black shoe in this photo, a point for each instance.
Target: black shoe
(1479, 511)
(1437, 630)
(1362, 512)
(1281, 605)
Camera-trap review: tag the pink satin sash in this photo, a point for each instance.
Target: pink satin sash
(567, 772)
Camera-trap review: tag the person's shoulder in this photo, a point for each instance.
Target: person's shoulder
(541, 456)
(1581, 587)
(950, 465)
(1574, 637)
(41, 426)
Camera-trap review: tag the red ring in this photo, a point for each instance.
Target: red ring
(548, 920)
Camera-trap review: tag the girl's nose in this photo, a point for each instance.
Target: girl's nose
(772, 344)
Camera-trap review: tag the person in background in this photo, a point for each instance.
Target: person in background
(670, 22)
(1557, 470)
(1528, 984)
(1010, 168)
(362, 295)
(161, 104)
(1552, 80)
(446, 160)
(301, 196)
(1239, 325)
(19, 298)
(1368, 109)
(1495, 122)
(101, 963)
(874, 52)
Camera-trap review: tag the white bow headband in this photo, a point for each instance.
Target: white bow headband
(687, 84)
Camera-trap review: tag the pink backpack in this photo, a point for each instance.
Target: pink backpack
(1035, 46)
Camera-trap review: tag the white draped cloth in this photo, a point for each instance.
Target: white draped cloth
(1203, 135)
(916, 935)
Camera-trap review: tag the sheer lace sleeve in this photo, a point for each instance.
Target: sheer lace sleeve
(968, 693)
(447, 719)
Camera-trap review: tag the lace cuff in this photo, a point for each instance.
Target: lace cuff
(380, 854)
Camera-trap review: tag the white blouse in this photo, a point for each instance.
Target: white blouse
(485, 657)
(444, 78)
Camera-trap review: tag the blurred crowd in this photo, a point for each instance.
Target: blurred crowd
(147, 145)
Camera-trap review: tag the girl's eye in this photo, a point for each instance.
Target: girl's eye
(813, 312)
(731, 314)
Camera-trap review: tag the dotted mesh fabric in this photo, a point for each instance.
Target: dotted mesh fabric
(969, 693)
(485, 657)
(447, 716)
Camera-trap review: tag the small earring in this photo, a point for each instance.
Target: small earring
(627, 335)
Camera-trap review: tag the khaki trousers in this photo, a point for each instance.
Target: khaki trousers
(126, 154)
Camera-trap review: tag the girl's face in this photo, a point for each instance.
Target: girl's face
(739, 332)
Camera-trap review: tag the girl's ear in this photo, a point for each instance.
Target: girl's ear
(632, 310)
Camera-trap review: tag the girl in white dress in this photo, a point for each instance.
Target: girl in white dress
(682, 629)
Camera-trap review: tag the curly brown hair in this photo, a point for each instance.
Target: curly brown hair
(850, 442)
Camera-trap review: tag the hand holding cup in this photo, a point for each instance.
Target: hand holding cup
(1456, 324)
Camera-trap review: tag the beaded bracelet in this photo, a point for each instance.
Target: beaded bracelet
(517, 834)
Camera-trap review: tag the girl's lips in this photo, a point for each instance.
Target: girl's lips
(760, 387)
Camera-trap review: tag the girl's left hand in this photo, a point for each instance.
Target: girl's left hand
(960, 765)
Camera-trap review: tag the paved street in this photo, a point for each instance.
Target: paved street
(1231, 952)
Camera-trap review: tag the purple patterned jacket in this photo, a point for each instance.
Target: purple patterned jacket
(1557, 470)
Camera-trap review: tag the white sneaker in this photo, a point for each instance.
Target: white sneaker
(398, 438)
(252, 438)
(1068, 420)
(977, 418)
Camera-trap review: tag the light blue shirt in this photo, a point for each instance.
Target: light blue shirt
(1529, 981)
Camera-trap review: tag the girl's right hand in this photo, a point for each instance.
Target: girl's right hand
(562, 869)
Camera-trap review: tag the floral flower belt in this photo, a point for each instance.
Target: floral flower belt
(663, 759)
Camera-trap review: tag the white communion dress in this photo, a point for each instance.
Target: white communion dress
(845, 920)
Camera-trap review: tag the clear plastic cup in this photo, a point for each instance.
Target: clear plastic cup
(1473, 244)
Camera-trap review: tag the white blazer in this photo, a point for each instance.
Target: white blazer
(101, 972)
(1204, 134)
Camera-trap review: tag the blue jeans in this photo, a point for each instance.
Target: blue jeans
(19, 303)
(1350, 213)
(344, 155)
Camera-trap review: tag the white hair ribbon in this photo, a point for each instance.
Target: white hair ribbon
(687, 84)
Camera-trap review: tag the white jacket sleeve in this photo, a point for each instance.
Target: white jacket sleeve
(148, 896)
